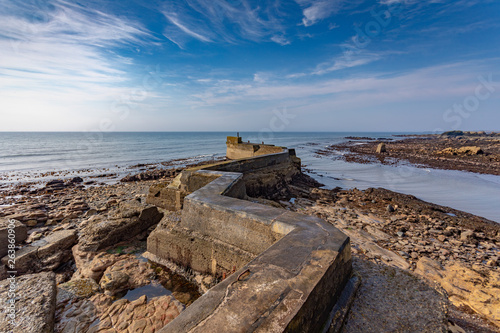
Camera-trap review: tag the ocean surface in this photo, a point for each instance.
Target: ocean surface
(38, 157)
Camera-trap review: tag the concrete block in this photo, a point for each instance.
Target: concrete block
(291, 268)
(201, 253)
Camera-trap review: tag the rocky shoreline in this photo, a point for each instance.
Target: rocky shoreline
(93, 265)
(91, 240)
(477, 152)
(456, 251)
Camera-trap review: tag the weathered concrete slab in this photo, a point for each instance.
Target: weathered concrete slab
(279, 293)
(301, 266)
(165, 196)
(260, 174)
(204, 254)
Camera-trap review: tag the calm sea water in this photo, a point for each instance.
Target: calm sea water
(30, 156)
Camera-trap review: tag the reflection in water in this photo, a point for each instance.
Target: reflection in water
(166, 283)
(183, 290)
(154, 289)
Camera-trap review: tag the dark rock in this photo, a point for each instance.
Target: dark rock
(55, 183)
(453, 133)
(404, 254)
(76, 180)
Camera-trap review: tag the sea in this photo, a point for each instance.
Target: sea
(36, 157)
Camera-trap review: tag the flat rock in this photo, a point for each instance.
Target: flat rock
(26, 260)
(100, 314)
(45, 254)
(377, 233)
(57, 241)
(20, 232)
(468, 150)
(366, 242)
(35, 304)
(475, 287)
(129, 220)
(393, 300)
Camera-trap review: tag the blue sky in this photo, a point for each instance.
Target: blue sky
(200, 65)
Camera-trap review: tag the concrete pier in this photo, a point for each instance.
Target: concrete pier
(290, 269)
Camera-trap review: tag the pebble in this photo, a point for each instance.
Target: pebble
(467, 235)
(404, 254)
(31, 223)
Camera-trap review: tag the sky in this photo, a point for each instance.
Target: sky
(208, 65)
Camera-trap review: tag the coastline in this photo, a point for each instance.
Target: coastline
(36, 184)
(385, 227)
(117, 155)
(456, 251)
(479, 154)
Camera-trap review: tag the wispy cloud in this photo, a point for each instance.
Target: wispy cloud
(339, 63)
(175, 21)
(436, 82)
(317, 10)
(262, 77)
(70, 43)
(282, 40)
(314, 11)
(342, 63)
(60, 53)
(224, 21)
